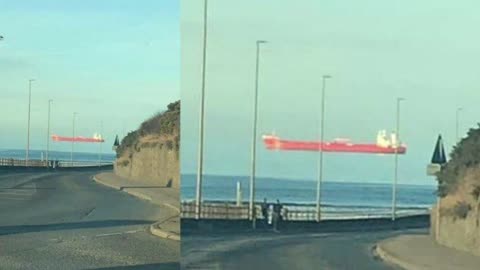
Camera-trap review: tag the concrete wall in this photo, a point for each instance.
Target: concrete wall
(433, 219)
(461, 234)
(152, 163)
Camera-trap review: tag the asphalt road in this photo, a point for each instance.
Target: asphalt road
(326, 251)
(67, 221)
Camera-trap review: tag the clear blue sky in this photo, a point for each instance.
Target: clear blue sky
(426, 52)
(114, 61)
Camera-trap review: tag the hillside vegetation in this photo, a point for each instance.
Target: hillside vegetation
(458, 218)
(162, 128)
(464, 159)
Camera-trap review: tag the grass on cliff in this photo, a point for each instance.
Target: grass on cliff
(464, 157)
(163, 125)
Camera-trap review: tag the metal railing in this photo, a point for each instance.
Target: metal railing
(52, 163)
(229, 210)
(83, 163)
(21, 162)
(215, 211)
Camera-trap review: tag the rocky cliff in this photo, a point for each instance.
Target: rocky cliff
(459, 189)
(151, 153)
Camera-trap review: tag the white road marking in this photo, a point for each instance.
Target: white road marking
(90, 212)
(14, 198)
(118, 233)
(135, 231)
(107, 234)
(19, 194)
(13, 193)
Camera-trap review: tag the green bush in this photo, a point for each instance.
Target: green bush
(169, 144)
(163, 123)
(127, 142)
(145, 145)
(461, 209)
(124, 163)
(476, 192)
(466, 154)
(177, 143)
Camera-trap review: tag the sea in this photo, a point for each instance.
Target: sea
(338, 199)
(56, 155)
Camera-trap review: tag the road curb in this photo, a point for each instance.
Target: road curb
(155, 230)
(395, 260)
(172, 207)
(155, 227)
(105, 184)
(137, 194)
(148, 198)
(126, 190)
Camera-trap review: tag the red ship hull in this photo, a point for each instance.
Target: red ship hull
(275, 143)
(76, 139)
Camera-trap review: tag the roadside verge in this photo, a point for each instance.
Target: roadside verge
(392, 259)
(421, 252)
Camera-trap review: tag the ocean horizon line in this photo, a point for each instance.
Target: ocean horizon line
(308, 180)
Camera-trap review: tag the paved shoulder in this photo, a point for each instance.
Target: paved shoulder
(168, 225)
(162, 195)
(421, 252)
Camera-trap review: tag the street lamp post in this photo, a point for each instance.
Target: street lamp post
(457, 123)
(397, 144)
(198, 193)
(27, 152)
(100, 151)
(73, 137)
(254, 137)
(320, 155)
(48, 130)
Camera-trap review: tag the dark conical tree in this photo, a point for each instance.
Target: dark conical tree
(439, 156)
(116, 143)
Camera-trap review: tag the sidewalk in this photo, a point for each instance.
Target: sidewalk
(421, 252)
(167, 198)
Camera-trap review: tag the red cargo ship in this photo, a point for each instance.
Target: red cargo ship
(96, 139)
(383, 145)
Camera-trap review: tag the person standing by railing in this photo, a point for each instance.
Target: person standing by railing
(284, 215)
(265, 212)
(277, 208)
